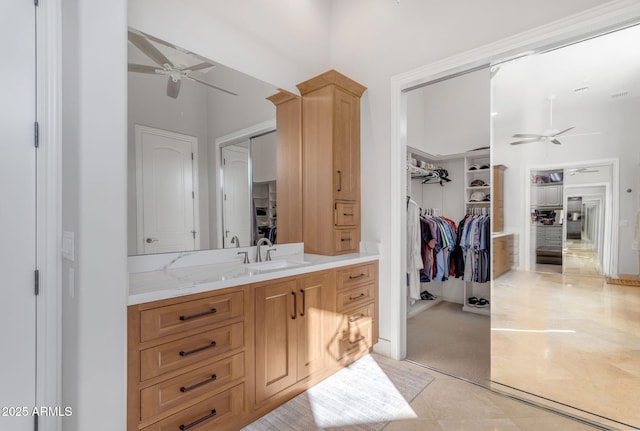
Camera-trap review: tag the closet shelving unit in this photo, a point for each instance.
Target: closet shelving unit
(264, 204)
(427, 175)
(477, 167)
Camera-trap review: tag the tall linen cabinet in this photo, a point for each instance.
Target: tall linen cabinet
(331, 163)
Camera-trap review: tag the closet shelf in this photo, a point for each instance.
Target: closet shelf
(488, 186)
(478, 202)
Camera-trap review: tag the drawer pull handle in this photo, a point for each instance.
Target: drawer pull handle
(356, 318)
(198, 421)
(347, 214)
(199, 349)
(355, 277)
(357, 340)
(295, 301)
(351, 298)
(304, 305)
(195, 316)
(339, 181)
(197, 385)
(345, 239)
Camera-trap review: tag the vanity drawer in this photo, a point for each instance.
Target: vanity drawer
(353, 297)
(173, 319)
(190, 350)
(356, 342)
(355, 275)
(346, 240)
(347, 214)
(173, 393)
(206, 414)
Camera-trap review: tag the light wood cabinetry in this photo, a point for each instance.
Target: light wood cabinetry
(353, 327)
(187, 361)
(221, 359)
(497, 199)
(331, 163)
(288, 165)
(502, 254)
(289, 331)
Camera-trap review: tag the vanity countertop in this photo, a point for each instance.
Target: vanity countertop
(170, 283)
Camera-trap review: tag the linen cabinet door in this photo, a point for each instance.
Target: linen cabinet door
(346, 146)
(310, 324)
(276, 344)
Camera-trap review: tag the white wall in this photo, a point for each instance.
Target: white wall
(394, 37)
(282, 43)
(94, 161)
(450, 116)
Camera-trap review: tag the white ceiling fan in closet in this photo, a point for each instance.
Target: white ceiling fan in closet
(549, 135)
(175, 72)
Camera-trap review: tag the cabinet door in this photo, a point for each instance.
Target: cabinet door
(276, 338)
(310, 324)
(346, 146)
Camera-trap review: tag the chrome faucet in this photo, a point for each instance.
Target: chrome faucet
(235, 240)
(260, 242)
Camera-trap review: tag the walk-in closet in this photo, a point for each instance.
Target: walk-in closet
(449, 198)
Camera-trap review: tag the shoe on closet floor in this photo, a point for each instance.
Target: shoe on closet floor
(427, 296)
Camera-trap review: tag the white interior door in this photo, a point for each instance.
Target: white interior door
(236, 202)
(165, 191)
(17, 216)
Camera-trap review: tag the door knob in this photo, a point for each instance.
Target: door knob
(150, 240)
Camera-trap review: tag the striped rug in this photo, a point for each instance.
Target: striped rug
(383, 388)
(624, 281)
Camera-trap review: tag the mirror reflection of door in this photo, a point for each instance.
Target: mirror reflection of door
(236, 208)
(584, 230)
(166, 199)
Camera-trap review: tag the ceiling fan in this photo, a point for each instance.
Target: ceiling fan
(550, 135)
(165, 67)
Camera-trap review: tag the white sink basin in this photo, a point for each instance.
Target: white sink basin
(274, 265)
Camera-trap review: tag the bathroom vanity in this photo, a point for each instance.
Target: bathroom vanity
(224, 343)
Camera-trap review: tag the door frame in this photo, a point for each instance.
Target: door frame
(611, 207)
(222, 201)
(604, 204)
(598, 20)
(223, 141)
(49, 214)
(139, 130)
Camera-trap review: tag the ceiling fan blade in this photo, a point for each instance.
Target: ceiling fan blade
(198, 66)
(173, 88)
(148, 49)
(527, 141)
(142, 68)
(528, 135)
(563, 131)
(210, 85)
(582, 134)
(555, 141)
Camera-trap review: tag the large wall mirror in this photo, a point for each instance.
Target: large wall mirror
(561, 327)
(565, 124)
(201, 152)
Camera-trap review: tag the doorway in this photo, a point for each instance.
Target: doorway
(167, 202)
(236, 201)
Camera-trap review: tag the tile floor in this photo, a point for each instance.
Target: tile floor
(572, 339)
(450, 404)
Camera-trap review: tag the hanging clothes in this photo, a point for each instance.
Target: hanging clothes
(414, 259)
(474, 243)
(438, 242)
